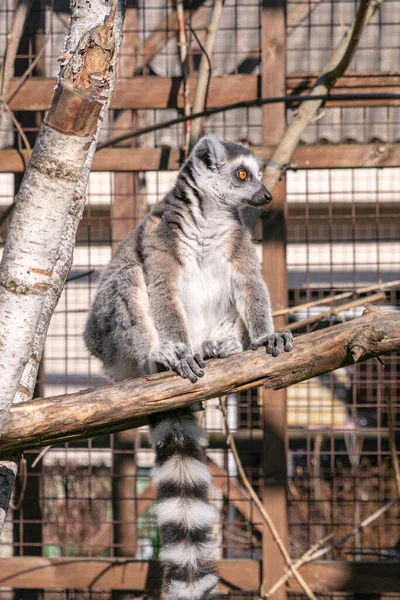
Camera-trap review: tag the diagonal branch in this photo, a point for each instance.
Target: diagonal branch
(199, 102)
(127, 404)
(334, 69)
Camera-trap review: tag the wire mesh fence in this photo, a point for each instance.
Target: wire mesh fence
(94, 498)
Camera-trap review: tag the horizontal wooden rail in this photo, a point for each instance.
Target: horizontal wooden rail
(166, 92)
(125, 574)
(127, 404)
(331, 156)
(142, 92)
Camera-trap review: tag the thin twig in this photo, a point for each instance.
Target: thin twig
(268, 521)
(297, 564)
(335, 297)
(392, 441)
(23, 78)
(13, 39)
(335, 311)
(19, 128)
(310, 557)
(199, 102)
(183, 56)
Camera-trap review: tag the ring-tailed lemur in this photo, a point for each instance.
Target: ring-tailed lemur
(186, 285)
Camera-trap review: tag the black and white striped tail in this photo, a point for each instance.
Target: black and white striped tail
(184, 515)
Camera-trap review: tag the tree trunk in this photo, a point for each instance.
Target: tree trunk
(49, 204)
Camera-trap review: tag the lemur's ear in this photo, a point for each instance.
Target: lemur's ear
(210, 151)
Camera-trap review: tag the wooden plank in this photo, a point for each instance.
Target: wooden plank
(273, 83)
(166, 92)
(142, 92)
(340, 156)
(354, 577)
(322, 576)
(116, 574)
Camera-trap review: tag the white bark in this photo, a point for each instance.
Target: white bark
(42, 205)
(50, 204)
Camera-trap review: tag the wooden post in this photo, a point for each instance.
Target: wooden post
(123, 219)
(273, 47)
(124, 209)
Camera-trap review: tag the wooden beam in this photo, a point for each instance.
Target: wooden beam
(340, 156)
(142, 92)
(106, 574)
(127, 404)
(273, 223)
(166, 92)
(352, 577)
(360, 80)
(119, 574)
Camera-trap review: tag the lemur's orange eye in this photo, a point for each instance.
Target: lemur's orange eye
(242, 174)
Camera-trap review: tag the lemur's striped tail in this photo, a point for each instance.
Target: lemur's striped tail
(184, 515)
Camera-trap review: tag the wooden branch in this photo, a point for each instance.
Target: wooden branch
(334, 156)
(334, 69)
(183, 57)
(199, 102)
(127, 404)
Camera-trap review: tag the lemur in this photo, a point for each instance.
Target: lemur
(186, 285)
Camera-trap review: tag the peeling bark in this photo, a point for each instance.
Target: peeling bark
(48, 190)
(49, 205)
(127, 404)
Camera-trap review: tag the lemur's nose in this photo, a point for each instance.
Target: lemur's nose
(267, 195)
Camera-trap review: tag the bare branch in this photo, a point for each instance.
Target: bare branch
(20, 16)
(183, 57)
(204, 70)
(335, 311)
(334, 69)
(335, 298)
(127, 404)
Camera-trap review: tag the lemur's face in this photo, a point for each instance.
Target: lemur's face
(229, 173)
(245, 186)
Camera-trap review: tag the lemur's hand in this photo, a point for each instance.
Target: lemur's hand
(275, 343)
(178, 357)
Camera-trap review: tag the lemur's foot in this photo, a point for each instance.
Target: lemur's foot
(221, 348)
(275, 343)
(178, 357)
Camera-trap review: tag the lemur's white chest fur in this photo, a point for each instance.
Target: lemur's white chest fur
(206, 289)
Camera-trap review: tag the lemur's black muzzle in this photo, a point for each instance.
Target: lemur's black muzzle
(260, 198)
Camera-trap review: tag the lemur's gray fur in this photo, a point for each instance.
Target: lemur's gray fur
(186, 285)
